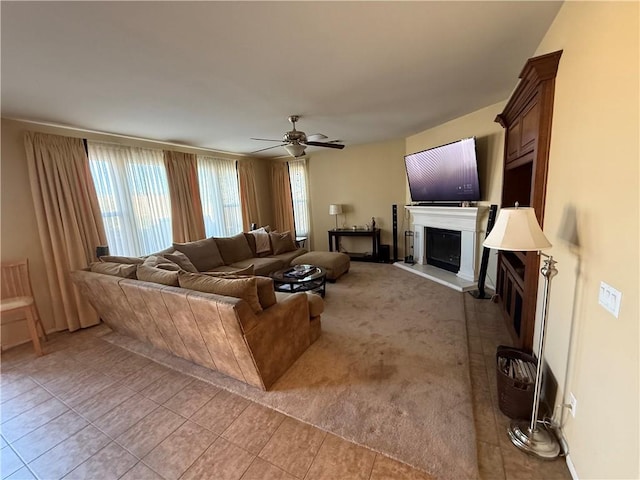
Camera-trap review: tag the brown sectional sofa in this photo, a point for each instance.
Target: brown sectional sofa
(253, 337)
(239, 252)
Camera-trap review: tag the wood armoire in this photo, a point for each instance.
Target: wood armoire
(527, 123)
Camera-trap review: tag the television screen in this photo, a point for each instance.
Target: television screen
(448, 173)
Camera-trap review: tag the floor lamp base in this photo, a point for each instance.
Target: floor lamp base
(540, 442)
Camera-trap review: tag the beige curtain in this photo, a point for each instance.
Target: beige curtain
(186, 208)
(248, 196)
(282, 202)
(69, 220)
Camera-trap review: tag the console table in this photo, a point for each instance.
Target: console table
(334, 242)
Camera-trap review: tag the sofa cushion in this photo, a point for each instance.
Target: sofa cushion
(116, 269)
(165, 251)
(157, 275)
(118, 259)
(244, 288)
(204, 254)
(229, 271)
(282, 242)
(234, 249)
(288, 257)
(163, 263)
(261, 266)
(182, 261)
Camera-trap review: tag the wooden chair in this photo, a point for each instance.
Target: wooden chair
(16, 296)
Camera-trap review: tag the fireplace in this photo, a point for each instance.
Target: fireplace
(455, 261)
(443, 248)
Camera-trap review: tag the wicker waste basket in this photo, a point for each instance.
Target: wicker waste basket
(516, 379)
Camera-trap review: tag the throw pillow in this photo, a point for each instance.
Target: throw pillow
(116, 269)
(282, 242)
(117, 259)
(182, 261)
(261, 238)
(204, 254)
(157, 275)
(266, 291)
(234, 249)
(244, 288)
(251, 240)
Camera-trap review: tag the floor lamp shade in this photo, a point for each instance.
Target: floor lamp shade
(517, 229)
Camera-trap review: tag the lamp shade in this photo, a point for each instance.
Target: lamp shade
(517, 229)
(295, 149)
(335, 209)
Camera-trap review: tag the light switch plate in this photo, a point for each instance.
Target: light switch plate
(610, 298)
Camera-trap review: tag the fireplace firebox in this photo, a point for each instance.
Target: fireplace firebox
(443, 248)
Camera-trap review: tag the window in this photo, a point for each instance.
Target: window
(133, 193)
(299, 196)
(220, 194)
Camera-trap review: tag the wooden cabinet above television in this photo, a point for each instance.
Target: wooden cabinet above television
(527, 121)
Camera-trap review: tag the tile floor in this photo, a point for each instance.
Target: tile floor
(86, 410)
(497, 458)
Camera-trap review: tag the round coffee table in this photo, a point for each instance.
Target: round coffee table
(300, 278)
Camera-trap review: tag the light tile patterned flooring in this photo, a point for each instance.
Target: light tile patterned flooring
(497, 458)
(86, 410)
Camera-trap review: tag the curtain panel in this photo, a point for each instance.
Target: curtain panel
(218, 180)
(133, 193)
(68, 218)
(248, 195)
(283, 205)
(186, 208)
(300, 196)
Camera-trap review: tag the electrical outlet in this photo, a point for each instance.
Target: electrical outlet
(574, 403)
(609, 298)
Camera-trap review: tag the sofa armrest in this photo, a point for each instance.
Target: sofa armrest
(280, 336)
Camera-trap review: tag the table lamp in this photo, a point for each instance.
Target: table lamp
(335, 209)
(517, 229)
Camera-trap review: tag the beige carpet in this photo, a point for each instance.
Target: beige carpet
(390, 371)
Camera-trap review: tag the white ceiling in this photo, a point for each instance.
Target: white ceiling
(214, 74)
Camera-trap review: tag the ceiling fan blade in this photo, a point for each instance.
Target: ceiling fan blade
(267, 140)
(269, 148)
(325, 144)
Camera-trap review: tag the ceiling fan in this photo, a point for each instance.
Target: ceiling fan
(295, 141)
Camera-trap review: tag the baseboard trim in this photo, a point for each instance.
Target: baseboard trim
(572, 468)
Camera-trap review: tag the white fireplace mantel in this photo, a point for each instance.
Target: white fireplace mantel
(465, 220)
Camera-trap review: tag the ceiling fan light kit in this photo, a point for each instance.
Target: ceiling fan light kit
(295, 141)
(295, 149)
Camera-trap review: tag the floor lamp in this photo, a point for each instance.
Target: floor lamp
(517, 229)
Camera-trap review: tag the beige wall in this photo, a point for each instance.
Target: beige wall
(489, 145)
(19, 232)
(367, 180)
(594, 168)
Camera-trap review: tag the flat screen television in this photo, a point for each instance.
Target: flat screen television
(448, 173)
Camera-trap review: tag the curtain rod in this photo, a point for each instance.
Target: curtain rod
(128, 137)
